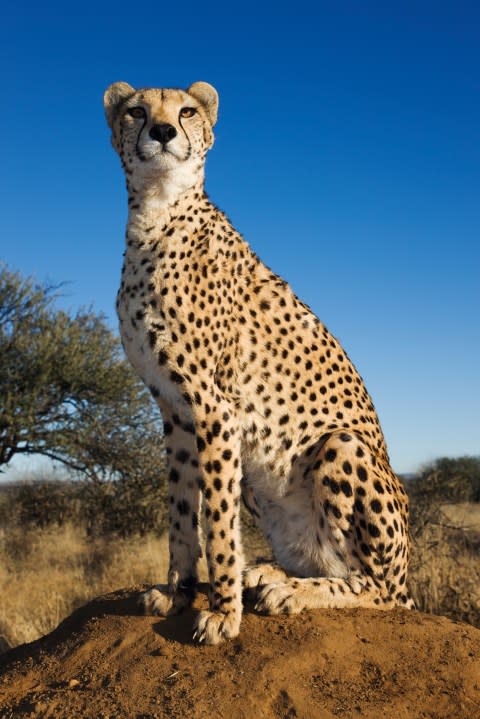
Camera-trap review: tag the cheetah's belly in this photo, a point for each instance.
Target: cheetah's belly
(290, 523)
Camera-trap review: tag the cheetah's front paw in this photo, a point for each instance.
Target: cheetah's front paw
(161, 601)
(279, 599)
(215, 627)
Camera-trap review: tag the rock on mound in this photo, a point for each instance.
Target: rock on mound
(107, 661)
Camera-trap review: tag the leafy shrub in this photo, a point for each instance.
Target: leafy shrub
(448, 480)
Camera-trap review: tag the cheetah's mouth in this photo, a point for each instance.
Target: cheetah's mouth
(160, 154)
(146, 154)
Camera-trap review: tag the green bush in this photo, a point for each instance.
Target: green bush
(448, 480)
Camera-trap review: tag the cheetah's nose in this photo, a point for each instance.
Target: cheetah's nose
(163, 132)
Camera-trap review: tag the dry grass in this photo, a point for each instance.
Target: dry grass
(47, 573)
(463, 514)
(444, 575)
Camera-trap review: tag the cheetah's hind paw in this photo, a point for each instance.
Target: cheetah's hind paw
(258, 575)
(279, 599)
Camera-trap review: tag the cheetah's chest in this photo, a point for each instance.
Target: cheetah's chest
(146, 335)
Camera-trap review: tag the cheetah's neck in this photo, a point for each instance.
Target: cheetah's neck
(157, 206)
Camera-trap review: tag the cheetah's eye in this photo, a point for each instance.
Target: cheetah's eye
(137, 112)
(187, 112)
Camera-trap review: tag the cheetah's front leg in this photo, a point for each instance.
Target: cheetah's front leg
(219, 451)
(183, 508)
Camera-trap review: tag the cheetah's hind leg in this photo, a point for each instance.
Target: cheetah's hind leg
(361, 514)
(259, 575)
(297, 594)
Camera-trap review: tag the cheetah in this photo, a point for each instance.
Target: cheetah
(259, 401)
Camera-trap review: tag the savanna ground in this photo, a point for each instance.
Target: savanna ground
(46, 573)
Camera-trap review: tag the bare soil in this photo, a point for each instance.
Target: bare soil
(108, 662)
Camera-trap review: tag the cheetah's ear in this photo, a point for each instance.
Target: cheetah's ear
(207, 96)
(114, 96)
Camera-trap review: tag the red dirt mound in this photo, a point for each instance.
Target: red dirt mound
(108, 662)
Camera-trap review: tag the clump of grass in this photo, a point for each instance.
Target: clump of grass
(444, 574)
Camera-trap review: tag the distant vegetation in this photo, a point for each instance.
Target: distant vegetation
(445, 530)
(448, 480)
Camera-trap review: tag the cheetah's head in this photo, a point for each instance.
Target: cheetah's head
(161, 134)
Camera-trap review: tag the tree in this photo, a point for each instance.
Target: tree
(66, 392)
(448, 480)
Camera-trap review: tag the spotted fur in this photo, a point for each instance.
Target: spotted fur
(257, 397)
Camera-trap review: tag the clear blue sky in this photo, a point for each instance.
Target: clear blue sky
(347, 153)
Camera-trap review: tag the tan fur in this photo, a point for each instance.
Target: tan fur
(250, 384)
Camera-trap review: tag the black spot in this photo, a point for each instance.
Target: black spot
(151, 338)
(162, 357)
(365, 549)
(334, 486)
(330, 455)
(378, 486)
(346, 488)
(359, 506)
(335, 510)
(183, 506)
(182, 455)
(376, 506)
(173, 475)
(362, 473)
(373, 530)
